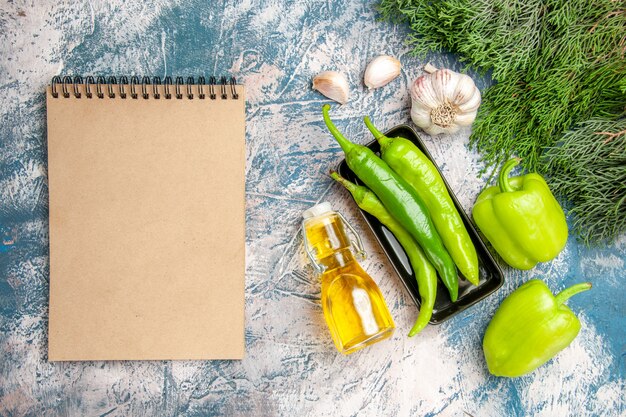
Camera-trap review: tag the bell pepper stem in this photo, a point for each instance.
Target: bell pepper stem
(564, 295)
(503, 179)
(345, 144)
(378, 135)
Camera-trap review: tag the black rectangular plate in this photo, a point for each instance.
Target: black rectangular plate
(491, 277)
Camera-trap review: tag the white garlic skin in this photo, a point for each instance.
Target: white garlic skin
(333, 85)
(380, 71)
(443, 101)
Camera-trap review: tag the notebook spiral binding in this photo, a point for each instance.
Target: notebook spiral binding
(66, 86)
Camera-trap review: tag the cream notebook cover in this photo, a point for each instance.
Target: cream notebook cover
(147, 219)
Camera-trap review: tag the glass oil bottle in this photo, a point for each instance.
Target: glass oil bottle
(353, 305)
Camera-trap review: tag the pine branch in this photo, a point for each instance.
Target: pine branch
(556, 63)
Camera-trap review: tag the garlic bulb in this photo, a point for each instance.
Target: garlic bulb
(443, 101)
(333, 85)
(380, 71)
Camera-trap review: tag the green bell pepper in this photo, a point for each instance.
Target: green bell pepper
(529, 328)
(521, 219)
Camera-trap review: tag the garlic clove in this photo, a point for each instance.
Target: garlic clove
(333, 85)
(452, 129)
(434, 129)
(465, 89)
(423, 93)
(420, 116)
(466, 119)
(471, 104)
(444, 84)
(380, 71)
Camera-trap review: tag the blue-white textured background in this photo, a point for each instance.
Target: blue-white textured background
(291, 368)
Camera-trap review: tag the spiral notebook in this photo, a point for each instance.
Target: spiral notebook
(147, 218)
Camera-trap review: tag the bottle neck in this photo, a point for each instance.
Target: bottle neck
(338, 259)
(327, 242)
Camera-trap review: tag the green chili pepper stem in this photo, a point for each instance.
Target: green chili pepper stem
(357, 192)
(345, 144)
(378, 135)
(564, 295)
(503, 179)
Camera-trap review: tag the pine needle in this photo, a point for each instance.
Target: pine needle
(588, 167)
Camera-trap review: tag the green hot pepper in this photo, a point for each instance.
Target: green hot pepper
(529, 328)
(411, 164)
(521, 219)
(425, 274)
(401, 201)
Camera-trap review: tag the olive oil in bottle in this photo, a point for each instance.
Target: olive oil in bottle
(353, 305)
